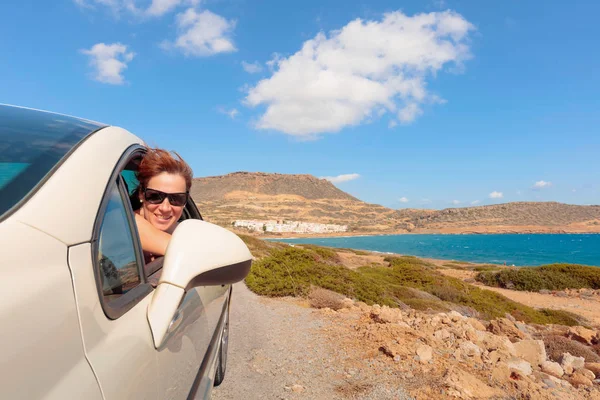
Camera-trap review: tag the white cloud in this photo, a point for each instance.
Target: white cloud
(156, 8)
(115, 6)
(202, 34)
(392, 124)
(496, 195)
(344, 78)
(456, 202)
(403, 200)
(232, 113)
(109, 61)
(541, 185)
(252, 68)
(409, 113)
(475, 202)
(160, 7)
(341, 178)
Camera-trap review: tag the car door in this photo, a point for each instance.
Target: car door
(193, 325)
(113, 297)
(113, 294)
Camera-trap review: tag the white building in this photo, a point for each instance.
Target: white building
(289, 226)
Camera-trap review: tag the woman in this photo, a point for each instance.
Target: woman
(163, 191)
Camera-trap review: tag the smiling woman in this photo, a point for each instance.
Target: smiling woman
(163, 190)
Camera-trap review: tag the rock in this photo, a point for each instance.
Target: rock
(468, 386)
(587, 373)
(570, 363)
(594, 367)
(549, 384)
(442, 334)
(470, 349)
(493, 357)
(456, 316)
(476, 324)
(425, 353)
(578, 380)
(502, 344)
(523, 328)
(347, 303)
(532, 351)
(386, 315)
(552, 368)
(505, 327)
(583, 335)
(544, 291)
(297, 388)
(520, 366)
(501, 372)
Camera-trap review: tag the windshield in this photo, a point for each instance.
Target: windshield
(32, 144)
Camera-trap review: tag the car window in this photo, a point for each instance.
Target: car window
(117, 257)
(32, 145)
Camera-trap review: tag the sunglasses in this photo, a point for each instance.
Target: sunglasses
(154, 196)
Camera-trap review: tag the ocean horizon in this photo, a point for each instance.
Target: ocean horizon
(509, 249)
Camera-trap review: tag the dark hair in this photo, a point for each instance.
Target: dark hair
(157, 161)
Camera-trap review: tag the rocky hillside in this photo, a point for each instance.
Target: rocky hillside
(247, 195)
(305, 186)
(518, 216)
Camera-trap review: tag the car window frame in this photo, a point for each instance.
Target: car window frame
(118, 307)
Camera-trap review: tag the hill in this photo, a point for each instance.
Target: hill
(306, 186)
(264, 196)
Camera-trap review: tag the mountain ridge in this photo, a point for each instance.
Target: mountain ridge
(303, 197)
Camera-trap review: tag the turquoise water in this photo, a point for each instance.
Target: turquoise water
(519, 250)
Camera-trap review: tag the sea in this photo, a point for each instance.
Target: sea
(509, 249)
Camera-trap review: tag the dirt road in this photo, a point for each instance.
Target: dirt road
(279, 350)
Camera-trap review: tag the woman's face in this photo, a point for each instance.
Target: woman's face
(164, 215)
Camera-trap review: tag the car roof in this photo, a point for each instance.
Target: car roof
(40, 118)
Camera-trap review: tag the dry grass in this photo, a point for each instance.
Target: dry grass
(557, 345)
(323, 298)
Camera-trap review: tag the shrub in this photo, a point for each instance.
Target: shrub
(326, 254)
(323, 298)
(355, 251)
(556, 345)
(260, 248)
(549, 277)
(293, 271)
(427, 305)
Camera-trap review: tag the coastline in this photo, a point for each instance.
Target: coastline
(511, 250)
(290, 235)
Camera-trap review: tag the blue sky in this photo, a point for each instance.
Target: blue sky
(424, 104)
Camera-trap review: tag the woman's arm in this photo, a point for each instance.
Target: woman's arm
(153, 240)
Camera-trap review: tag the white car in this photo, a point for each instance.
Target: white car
(81, 316)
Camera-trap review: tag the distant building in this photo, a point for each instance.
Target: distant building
(289, 226)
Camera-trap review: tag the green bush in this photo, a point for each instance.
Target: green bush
(260, 248)
(293, 271)
(327, 254)
(549, 277)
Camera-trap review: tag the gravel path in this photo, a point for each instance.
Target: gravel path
(277, 350)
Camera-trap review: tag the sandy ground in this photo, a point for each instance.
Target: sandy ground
(282, 349)
(589, 308)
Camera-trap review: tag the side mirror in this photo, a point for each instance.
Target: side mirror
(199, 254)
